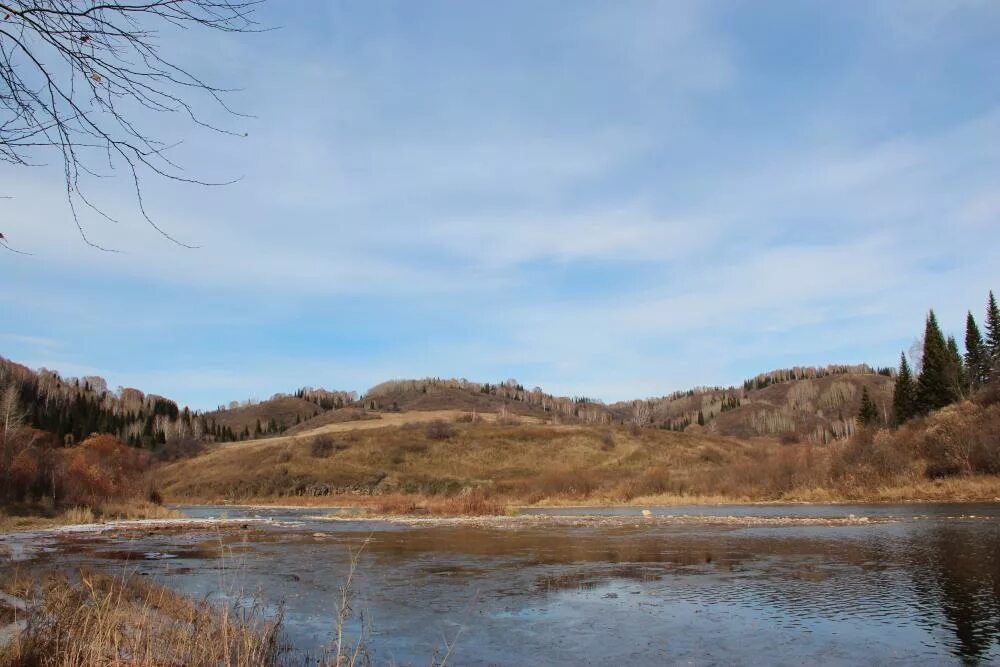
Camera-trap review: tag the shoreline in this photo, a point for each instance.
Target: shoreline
(355, 513)
(263, 505)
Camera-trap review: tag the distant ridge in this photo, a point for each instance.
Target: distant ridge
(816, 404)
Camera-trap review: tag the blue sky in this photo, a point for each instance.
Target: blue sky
(605, 199)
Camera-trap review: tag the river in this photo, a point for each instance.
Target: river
(918, 584)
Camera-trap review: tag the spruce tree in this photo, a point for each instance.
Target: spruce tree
(934, 386)
(904, 397)
(975, 354)
(992, 337)
(957, 376)
(868, 415)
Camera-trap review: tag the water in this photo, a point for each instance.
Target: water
(923, 587)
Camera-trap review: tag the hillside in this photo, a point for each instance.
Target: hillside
(443, 453)
(804, 403)
(274, 415)
(435, 458)
(73, 408)
(814, 404)
(509, 396)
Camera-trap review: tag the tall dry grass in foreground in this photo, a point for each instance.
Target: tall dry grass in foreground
(96, 619)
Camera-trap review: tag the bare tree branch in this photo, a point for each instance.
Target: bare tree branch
(76, 74)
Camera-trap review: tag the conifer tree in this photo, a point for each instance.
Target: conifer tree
(904, 396)
(992, 336)
(975, 354)
(868, 415)
(957, 376)
(701, 418)
(934, 386)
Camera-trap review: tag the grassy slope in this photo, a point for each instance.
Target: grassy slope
(536, 462)
(526, 462)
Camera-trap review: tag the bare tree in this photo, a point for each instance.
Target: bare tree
(11, 420)
(641, 415)
(76, 76)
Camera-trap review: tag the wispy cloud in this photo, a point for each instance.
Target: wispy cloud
(611, 199)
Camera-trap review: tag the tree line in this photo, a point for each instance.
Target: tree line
(945, 375)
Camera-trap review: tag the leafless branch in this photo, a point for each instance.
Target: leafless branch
(73, 74)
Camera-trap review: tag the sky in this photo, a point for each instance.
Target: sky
(613, 200)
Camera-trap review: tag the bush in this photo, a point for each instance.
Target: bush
(439, 430)
(101, 468)
(607, 440)
(323, 446)
(154, 496)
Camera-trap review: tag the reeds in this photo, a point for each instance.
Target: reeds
(472, 503)
(97, 619)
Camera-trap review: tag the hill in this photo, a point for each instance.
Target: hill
(73, 408)
(803, 403)
(254, 419)
(814, 404)
(445, 453)
(509, 396)
(448, 461)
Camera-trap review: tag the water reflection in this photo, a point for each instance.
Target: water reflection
(956, 569)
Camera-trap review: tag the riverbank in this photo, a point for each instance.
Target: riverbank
(39, 516)
(972, 489)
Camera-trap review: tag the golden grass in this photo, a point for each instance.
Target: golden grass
(95, 619)
(475, 503)
(484, 468)
(36, 518)
(405, 460)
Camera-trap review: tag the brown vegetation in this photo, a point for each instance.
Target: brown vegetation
(99, 479)
(487, 467)
(95, 619)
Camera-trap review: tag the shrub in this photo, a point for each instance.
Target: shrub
(607, 440)
(102, 468)
(154, 496)
(323, 446)
(439, 430)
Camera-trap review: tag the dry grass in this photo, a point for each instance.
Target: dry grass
(483, 468)
(474, 503)
(38, 516)
(95, 619)
(502, 461)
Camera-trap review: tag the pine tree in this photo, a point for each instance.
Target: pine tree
(957, 376)
(975, 354)
(868, 415)
(701, 418)
(934, 386)
(904, 397)
(992, 337)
